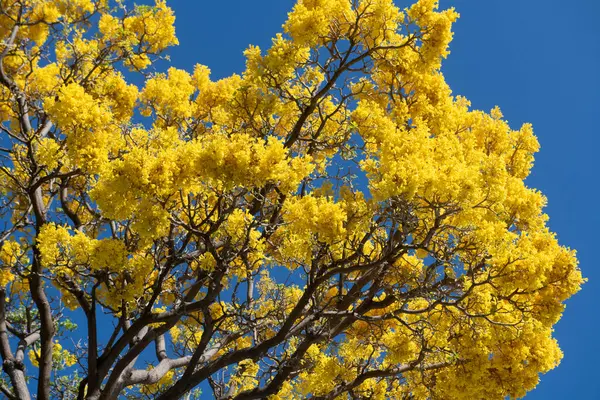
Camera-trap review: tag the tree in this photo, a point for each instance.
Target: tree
(332, 223)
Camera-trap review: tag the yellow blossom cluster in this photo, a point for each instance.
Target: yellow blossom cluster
(191, 167)
(89, 137)
(150, 30)
(312, 20)
(62, 357)
(59, 248)
(67, 255)
(10, 253)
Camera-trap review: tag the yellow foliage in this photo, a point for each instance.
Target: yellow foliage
(59, 355)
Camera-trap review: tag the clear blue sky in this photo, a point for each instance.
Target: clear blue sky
(539, 60)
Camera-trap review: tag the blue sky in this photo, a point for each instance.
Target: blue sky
(539, 60)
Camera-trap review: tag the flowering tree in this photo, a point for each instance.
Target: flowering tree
(332, 223)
